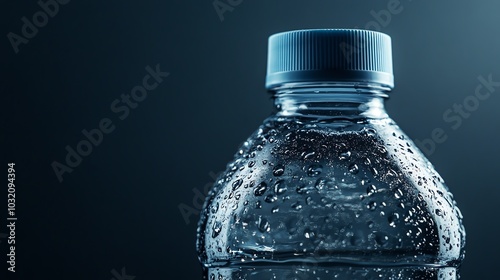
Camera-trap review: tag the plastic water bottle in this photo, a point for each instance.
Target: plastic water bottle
(329, 187)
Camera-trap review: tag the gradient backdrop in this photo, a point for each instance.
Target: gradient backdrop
(117, 213)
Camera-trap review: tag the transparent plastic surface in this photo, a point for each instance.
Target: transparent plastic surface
(335, 191)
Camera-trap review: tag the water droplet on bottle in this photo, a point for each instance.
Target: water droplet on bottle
(381, 238)
(271, 198)
(275, 209)
(296, 206)
(447, 239)
(309, 233)
(278, 170)
(302, 189)
(258, 205)
(216, 229)
(215, 208)
(398, 193)
(372, 205)
(251, 163)
(237, 184)
(260, 189)
(393, 219)
(264, 225)
(371, 189)
(280, 187)
(309, 155)
(345, 155)
(309, 200)
(382, 149)
(370, 131)
(314, 170)
(439, 212)
(353, 168)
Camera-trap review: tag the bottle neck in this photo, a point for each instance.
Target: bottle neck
(330, 101)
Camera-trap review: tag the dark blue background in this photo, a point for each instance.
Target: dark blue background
(119, 208)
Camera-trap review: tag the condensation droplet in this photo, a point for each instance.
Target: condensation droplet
(382, 149)
(215, 208)
(302, 189)
(371, 189)
(260, 189)
(439, 212)
(353, 168)
(398, 193)
(370, 131)
(309, 233)
(258, 205)
(280, 187)
(271, 198)
(345, 155)
(393, 219)
(314, 170)
(372, 205)
(278, 170)
(296, 206)
(216, 229)
(381, 238)
(264, 225)
(237, 184)
(309, 155)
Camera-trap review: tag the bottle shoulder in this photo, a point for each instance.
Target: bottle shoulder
(314, 179)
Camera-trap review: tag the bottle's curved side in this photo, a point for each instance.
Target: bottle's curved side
(212, 206)
(432, 190)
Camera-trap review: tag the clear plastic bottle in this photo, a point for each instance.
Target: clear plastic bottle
(329, 187)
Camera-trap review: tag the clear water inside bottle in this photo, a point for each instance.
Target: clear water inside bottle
(330, 199)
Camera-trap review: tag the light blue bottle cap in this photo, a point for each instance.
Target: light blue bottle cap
(329, 55)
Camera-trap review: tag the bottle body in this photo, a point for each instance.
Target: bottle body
(329, 186)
